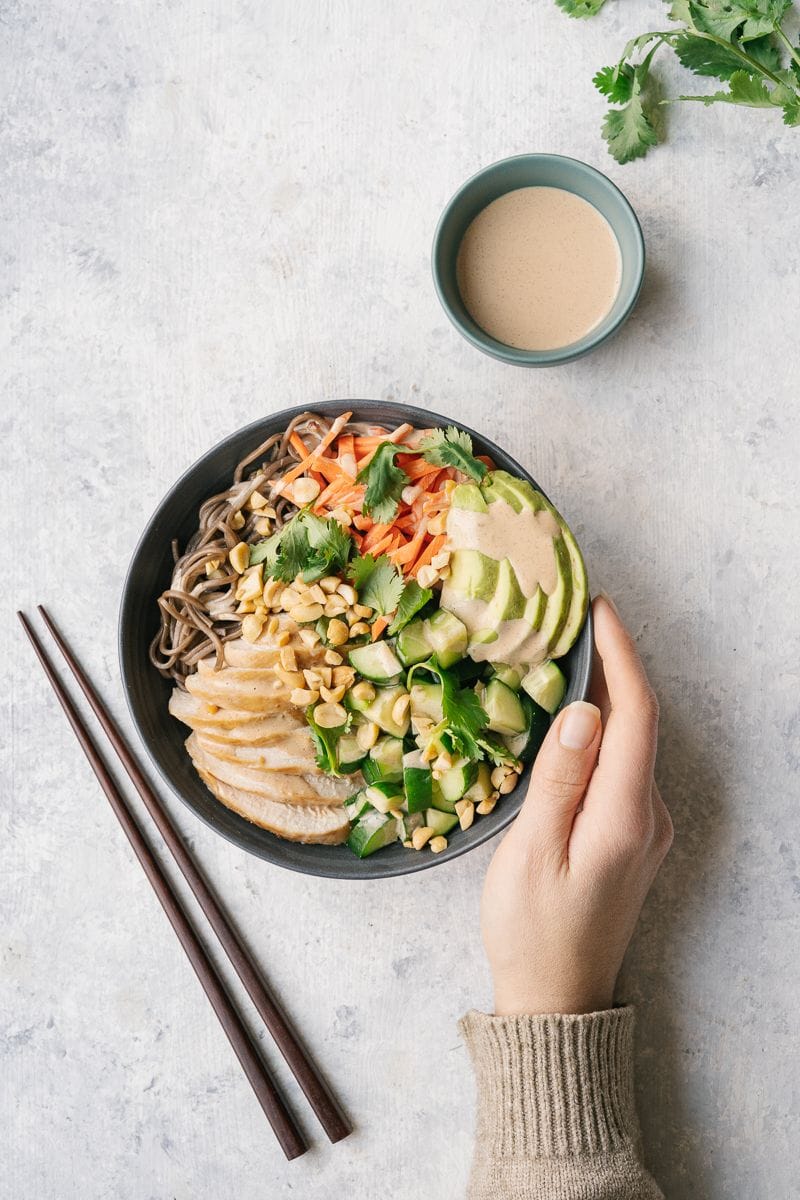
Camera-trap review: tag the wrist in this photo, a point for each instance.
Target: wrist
(510, 1001)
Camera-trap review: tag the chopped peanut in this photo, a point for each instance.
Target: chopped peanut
(333, 659)
(329, 716)
(251, 627)
(421, 836)
(239, 557)
(338, 633)
(305, 613)
(438, 844)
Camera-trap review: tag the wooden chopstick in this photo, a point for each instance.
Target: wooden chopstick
(307, 1074)
(283, 1123)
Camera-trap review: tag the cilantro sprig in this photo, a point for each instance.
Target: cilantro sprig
(307, 546)
(452, 447)
(464, 717)
(581, 8)
(385, 482)
(412, 601)
(377, 581)
(741, 43)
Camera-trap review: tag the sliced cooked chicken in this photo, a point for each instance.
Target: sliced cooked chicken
(233, 725)
(293, 753)
(240, 687)
(322, 824)
(311, 787)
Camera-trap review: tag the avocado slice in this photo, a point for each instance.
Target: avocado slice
(473, 575)
(496, 487)
(558, 602)
(535, 608)
(469, 496)
(580, 595)
(508, 602)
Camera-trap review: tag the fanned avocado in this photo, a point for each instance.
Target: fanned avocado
(579, 601)
(580, 595)
(558, 602)
(469, 496)
(473, 574)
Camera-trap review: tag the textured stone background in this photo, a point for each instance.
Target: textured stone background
(211, 211)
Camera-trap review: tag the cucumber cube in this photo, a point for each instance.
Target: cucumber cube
(546, 685)
(372, 832)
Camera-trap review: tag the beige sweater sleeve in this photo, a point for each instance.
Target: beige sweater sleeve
(556, 1116)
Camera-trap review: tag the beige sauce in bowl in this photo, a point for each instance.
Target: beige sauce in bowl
(539, 268)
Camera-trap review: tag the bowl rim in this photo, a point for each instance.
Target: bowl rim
(539, 358)
(370, 869)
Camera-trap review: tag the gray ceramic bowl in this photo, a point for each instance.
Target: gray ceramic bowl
(537, 170)
(147, 693)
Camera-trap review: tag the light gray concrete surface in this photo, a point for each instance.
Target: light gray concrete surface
(213, 211)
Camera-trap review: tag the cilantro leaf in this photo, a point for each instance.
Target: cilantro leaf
(464, 716)
(452, 447)
(378, 582)
(307, 545)
(412, 600)
(704, 57)
(745, 89)
(580, 8)
(616, 83)
(765, 52)
(385, 482)
(749, 18)
(791, 111)
(629, 130)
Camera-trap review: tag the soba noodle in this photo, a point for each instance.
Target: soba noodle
(198, 609)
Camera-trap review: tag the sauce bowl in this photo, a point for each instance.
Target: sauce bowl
(147, 693)
(537, 170)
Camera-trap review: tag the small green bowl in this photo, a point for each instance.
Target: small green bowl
(537, 170)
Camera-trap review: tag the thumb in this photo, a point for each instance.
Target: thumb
(561, 774)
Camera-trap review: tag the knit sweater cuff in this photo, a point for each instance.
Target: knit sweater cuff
(554, 1086)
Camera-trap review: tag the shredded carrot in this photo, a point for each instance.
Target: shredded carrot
(376, 534)
(407, 554)
(330, 468)
(298, 443)
(310, 459)
(377, 548)
(362, 522)
(431, 550)
(417, 468)
(378, 626)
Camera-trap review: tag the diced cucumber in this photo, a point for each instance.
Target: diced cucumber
(482, 788)
(413, 645)
(440, 822)
(356, 806)
(546, 685)
(376, 661)
(417, 781)
(451, 786)
(384, 796)
(372, 832)
(525, 746)
(448, 636)
(387, 756)
(356, 702)
(426, 701)
(408, 822)
(510, 676)
(504, 709)
(349, 753)
(380, 710)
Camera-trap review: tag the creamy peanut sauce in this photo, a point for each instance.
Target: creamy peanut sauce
(526, 539)
(539, 268)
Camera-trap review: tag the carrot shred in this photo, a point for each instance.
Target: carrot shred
(298, 443)
(431, 550)
(375, 535)
(330, 468)
(310, 459)
(407, 553)
(377, 548)
(378, 626)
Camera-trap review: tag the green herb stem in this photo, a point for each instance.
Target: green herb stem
(794, 53)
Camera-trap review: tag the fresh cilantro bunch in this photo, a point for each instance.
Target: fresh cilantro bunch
(307, 546)
(452, 447)
(581, 8)
(742, 43)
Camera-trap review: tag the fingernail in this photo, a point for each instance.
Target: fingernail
(605, 596)
(579, 725)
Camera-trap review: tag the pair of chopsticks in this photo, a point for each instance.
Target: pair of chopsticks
(322, 1101)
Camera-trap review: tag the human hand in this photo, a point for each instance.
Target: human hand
(566, 885)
